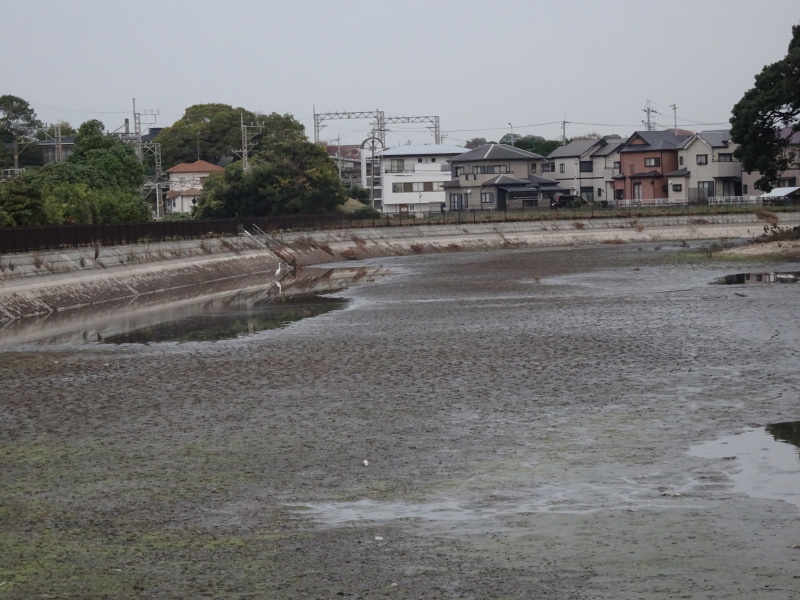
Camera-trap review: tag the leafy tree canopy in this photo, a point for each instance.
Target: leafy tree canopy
(475, 143)
(767, 117)
(96, 184)
(286, 178)
(537, 144)
(17, 117)
(212, 132)
(112, 157)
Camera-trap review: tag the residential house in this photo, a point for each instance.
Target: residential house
(789, 178)
(498, 176)
(706, 168)
(645, 159)
(586, 167)
(413, 177)
(185, 185)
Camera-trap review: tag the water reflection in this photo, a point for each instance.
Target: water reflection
(759, 278)
(230, 322)
(788, 432)
(762, 462)
(238, 306)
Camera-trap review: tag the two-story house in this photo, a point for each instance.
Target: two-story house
(498, 176)
(707, 168)
(645, 159)
(185, 185)
(586, 167)
(413, 177)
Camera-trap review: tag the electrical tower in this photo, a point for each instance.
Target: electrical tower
(379, 123)
(249, 134)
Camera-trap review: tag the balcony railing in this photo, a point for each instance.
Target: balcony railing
(419, 168)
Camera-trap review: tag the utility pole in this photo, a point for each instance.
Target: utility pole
(512, 133)
(564, 131)
(648, 110)
(248, 142)
(674, 116)
(339, 154)
(58, 142)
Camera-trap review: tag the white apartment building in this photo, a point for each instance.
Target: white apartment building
(413, 176)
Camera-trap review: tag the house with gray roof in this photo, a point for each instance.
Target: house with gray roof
(498, 176)
(707, 168)
(587, 167)
(645, 159)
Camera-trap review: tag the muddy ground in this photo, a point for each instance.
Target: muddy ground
(526, 416)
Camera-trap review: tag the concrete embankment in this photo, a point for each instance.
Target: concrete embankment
(47, 282)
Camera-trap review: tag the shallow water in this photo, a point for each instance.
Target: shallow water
(763, 463)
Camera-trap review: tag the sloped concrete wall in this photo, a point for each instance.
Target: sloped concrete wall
(43, 283)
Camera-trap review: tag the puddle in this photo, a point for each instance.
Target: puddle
(759, 278)
(763, 463)
(226, 323)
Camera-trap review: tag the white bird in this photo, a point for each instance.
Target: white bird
(278, 272)
(366, 463)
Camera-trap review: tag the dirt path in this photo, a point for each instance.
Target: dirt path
(526, 417)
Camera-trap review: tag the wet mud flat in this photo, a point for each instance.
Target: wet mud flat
(533, 423)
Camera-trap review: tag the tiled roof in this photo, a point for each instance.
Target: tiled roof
(646, 174)
(655, 140)
(495, 152)
(574, 149)
(190, 192)
(716, 139)
(506, 180)
(199, 166)
(682, 172)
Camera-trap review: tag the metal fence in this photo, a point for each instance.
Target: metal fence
(27, 239)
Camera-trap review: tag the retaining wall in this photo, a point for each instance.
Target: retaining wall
(42, 283)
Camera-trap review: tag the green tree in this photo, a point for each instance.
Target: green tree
(17, 117)
(107, 154)
(767, 117)
(290, 177)
(537, 144)
(212, 132)
(475, 143)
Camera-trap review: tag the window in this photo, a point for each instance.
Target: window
(419, 160)
(458, 202)
(787, 182)
(561, 168)
(706, 189)
(396, 165)
(587, 193)
(459, 171)
(397, 188)
(631, 169)
(533, 168)
(664, 189)
(725, 157)
(744, 189)
(680, 161)
(652, 162)
(433, 159)
(548, 167)
(677, 187)
(702, 159)
(617, 165)
(487, 197)
(599, 192)
(759, 277)
(619, 194)
(586, 166)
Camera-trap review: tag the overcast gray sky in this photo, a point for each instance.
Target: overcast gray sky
(478, 65)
